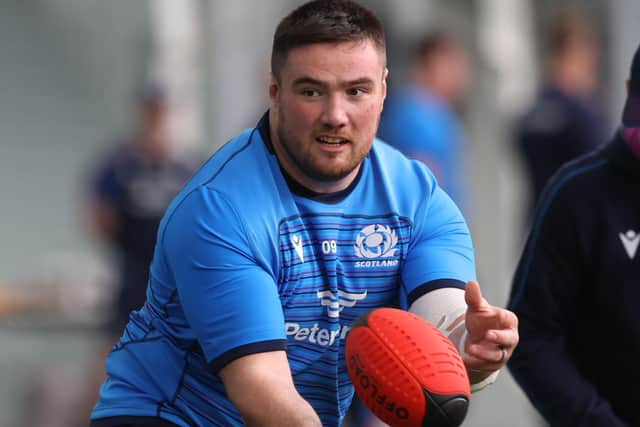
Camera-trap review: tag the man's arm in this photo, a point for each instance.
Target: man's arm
(548, 285)
(261, 387)
(548, 376)
(104, 219)
(102, 209)
(542, 365)
(233, 307)
(484, 334)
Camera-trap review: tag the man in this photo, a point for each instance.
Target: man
(420, 119)
(576, 288)
(287, 234)
(566, 120)
(130, 191)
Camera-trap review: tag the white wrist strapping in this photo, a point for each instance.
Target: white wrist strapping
(485, 382)
(444, 308)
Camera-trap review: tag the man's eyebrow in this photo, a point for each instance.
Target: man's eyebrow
(314, 82)
(308, 81)
(360, 81)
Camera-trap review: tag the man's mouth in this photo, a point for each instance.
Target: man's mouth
(330, 140)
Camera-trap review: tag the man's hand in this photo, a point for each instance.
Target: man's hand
(492, 334)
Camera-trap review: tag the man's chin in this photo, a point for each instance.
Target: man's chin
(328, 176)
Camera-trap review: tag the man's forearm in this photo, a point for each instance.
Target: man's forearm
(261, 387)
(281, 412)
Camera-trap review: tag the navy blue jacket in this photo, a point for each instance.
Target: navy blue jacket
(558, 128)
(138, 189)
(577, 294)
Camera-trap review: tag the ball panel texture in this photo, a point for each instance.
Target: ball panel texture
(382, 382)
(406, 370)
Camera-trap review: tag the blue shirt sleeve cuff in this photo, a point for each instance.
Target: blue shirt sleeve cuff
(244, 350)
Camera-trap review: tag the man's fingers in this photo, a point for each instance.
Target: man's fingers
(498, 318)
(493, 332)
(507, 319)
(507, 338)
(493, 317)
(487, 354)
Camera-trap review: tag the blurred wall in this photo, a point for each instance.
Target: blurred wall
(623, 37)
(237, 46)
(68, 72)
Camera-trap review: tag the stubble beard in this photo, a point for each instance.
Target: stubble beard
(313, 167)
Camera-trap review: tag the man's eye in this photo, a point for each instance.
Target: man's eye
(356, 91)
(310, 92)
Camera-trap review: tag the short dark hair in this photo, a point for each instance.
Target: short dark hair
(567, 28)
(433, 43)
(324, 21)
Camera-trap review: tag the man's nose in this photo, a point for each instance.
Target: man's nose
(335, 113)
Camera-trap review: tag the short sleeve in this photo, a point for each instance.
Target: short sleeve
(441, 252)
(229, 298)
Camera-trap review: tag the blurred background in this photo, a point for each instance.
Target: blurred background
(71, 75)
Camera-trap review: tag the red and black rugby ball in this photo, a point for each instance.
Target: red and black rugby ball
(406, 370)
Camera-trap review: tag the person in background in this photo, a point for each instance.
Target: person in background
(566, 118)
(130, 189)
(576, 288)
(133, 185)
(421, 119)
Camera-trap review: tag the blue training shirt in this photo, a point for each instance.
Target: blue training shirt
(247, 261)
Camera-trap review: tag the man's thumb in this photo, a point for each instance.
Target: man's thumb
(473, 295)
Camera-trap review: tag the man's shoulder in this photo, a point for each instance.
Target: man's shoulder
(118, 153)
(392, 162)
(408, 182)
(236, 178)
(242, 158)
(576, 182)
(388, 154)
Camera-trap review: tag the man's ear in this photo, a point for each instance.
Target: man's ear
(274, 89)
(385, 74)
(628, 86)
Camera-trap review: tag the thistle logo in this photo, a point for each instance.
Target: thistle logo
(376, 241)
(336, 304)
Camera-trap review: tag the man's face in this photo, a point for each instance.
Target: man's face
(154, 126)
(325, 111)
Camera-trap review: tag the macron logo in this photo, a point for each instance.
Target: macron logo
(336, 304)
(630, 241)
(296, 241)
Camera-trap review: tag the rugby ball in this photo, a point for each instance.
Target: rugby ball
(406, 371)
